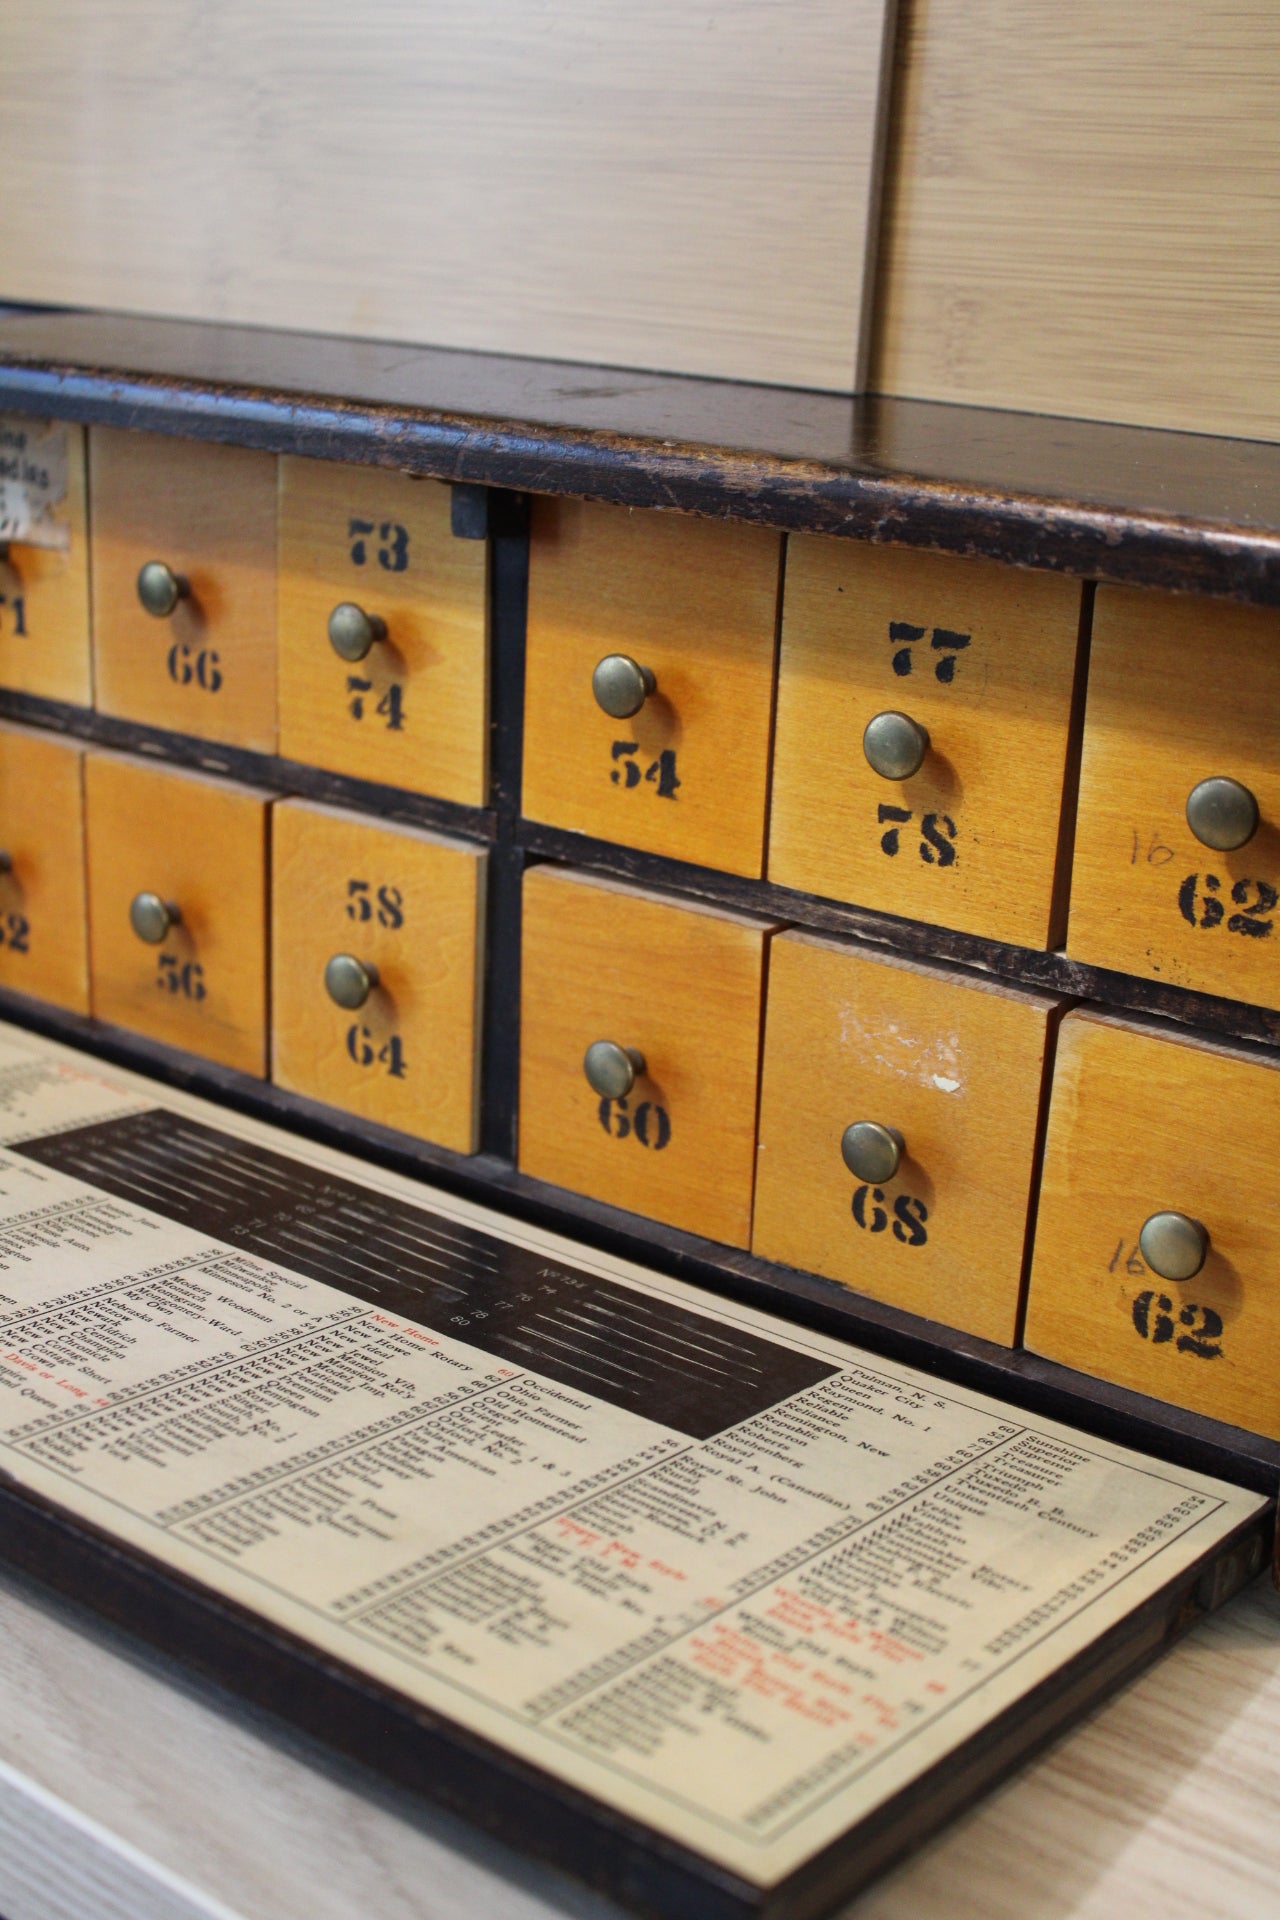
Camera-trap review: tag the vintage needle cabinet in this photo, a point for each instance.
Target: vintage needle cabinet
(829, 849)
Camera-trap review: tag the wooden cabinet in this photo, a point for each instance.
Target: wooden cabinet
(679, 988)
(968, 670)
(204, 660)
(860, 1048)
(44, 597)
(399, 693)
(377, 962)
(1145, 1122)
(1181, 692)
(43, 925)
(692, 605)
(178, 907)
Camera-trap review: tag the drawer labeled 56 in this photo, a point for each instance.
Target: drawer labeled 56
(639, 1050)
(377, 956)
(178, 907)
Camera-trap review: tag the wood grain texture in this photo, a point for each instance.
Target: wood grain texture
(209, 512)
(1082, 212)
(44, 928)
(957, 1066)
(666, 186)
(202, 844)
(431, 733)
(1141, 1121)
(412, 905)
(1179, 690)
(1160, 1806)
(681, 984)
(696, 603)
(990, 678)
(51, 656)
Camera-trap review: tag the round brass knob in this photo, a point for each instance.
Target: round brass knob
(352, 631)
(151, 917)
(621, 685)
(10, 578)
(1173, 1245)
(871, 1152)
(895, 745)
(6, 861)
(1222, 814)
(611, 1070)
(348, 981)
(160, 588)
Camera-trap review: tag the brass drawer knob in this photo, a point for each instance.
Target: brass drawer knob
(872, 1152)
(895, 745)
(352, 631)
(1173, 1245)
(611, 1070)
(160, 588)
(151, 917)
(1222, 814)
(6, 860)
(621, 685)
(348, 981)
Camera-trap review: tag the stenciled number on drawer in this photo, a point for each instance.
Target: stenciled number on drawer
(388, 540)
(661, 773)
(383, 904)
(15, 930)
(389, 709)
(938, 833)
(649, 1124)
(1201, 1335)
(871, 1212)
(17, 614)
(182, 977)
(943, 641)
(194, 667)
(1201, 904)
(365, 1051)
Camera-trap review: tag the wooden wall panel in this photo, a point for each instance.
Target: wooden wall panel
(1083, 211)
(669, 185)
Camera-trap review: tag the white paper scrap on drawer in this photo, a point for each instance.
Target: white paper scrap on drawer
(33, 481)
(738, 1581)
(688, 187)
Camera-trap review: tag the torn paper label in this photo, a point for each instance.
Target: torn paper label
(33, 481)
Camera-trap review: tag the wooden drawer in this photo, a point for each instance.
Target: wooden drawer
(44, 947)
(1143, 1122)
(1180, 691)
(200, 846)
(691, 602)
(44, 596)
(401, 912)
(208, 513)
(681, 986)
(982, 659)
(956, 1068)
(412, 709)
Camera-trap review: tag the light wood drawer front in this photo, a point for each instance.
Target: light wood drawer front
(413, 710)
(679, 985)
(956, 1069)
(199, 845)
(44, 598)
(1142, 1123)
(1180, 691)
(408, 908)
(44, 938)
(209, 514)
(981, 657)
(695, 603)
